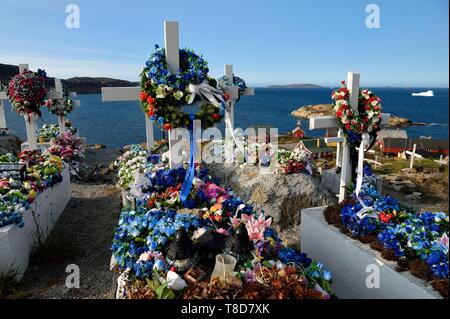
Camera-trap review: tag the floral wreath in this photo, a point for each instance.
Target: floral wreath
(163, 94)
(368, 118)
(237, 81)
(60, 109)
(26, 91)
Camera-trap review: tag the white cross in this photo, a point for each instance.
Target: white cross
(229, 115)
(61, 120)
(171, 43)
(3, 97)
(30, 119)
(234, 95)
(413, 155)
(343, 151)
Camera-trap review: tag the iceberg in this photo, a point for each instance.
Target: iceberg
(426, 93)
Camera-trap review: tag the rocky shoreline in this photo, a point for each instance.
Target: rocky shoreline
(308, 111)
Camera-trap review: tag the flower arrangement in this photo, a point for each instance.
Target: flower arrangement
(164, 94)
(404, 234)
(145, 232)
(70, 149)
(43, 171)
(60, 108)
(237, 81)
(8, 158)
(368, 118)
(293, 162)
(135, 160)
(26, 91)
(48, 132)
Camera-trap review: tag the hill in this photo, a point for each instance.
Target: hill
(81, 85)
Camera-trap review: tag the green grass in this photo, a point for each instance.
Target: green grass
(394, 166)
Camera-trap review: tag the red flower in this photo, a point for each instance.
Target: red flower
(385, 218)
(167, 127)
(151, 110)
(143, 96)
(216, 116)
(343, 82)
(150, 100)
(226, 96)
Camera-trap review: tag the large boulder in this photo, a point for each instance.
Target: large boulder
(280, 196)
(10, 144)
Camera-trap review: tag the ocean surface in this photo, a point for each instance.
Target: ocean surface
(116, 124)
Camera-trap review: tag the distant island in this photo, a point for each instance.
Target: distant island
(295, 86)
(81, 85)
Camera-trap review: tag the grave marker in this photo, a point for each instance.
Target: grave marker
(327, 122)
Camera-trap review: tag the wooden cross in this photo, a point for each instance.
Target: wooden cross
(3, 97)
(413, 155)
(327, 122)
(61, 120)
(171, 43)
(110, 94)
(30, 119)
(234, 95)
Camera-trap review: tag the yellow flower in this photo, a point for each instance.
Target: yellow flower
(32, 193)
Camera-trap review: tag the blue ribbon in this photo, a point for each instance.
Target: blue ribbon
(190, 173)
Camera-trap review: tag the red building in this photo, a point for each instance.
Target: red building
(398, 145)
(298, 132)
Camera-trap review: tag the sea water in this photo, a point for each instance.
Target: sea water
(116, 124)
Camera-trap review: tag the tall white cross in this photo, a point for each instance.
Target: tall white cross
(171, 43)
(30, 119)
(343, 151)
(233, 91)
(61, 120)
(3, 97)
(234, 95)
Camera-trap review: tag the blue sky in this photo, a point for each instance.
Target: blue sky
(268, 42)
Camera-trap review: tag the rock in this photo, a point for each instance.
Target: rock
(414, 196)
(397, 188)
(280, 196)
(10, 144)
(409, 184)
(308, 111)
(409, 170)
(396, 121)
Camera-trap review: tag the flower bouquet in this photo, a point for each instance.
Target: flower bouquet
(70, 149)
(293, 162)
(417, 241)
(43, 171)
(148, 232)
(26, 91)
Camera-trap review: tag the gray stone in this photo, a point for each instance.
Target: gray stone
(280, 196)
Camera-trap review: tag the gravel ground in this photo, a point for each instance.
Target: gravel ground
(82, 236)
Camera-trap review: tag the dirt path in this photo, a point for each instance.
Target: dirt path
(82, 236)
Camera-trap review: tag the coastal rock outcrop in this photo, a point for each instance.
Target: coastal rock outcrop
(280, 196)
(308, 111)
